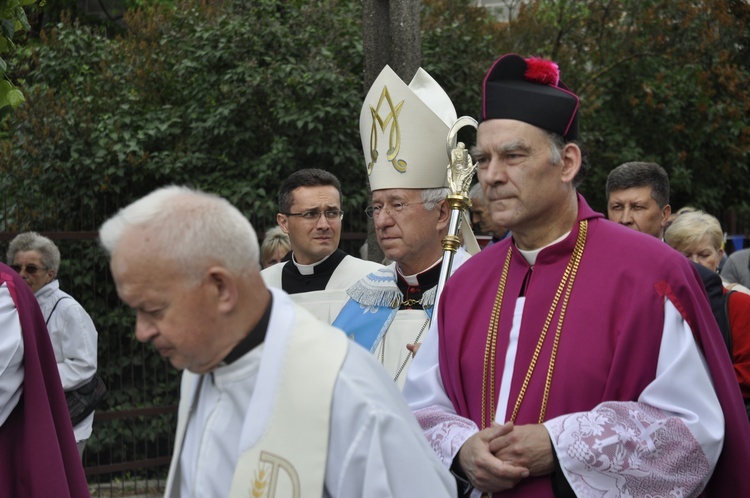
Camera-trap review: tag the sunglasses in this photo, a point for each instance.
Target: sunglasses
(30, 269)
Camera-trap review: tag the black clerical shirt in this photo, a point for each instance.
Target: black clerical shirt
(254, 338)
(413, 293)
(293, 282)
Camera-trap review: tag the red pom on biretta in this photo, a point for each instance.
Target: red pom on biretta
(530, 90)
(542, 71)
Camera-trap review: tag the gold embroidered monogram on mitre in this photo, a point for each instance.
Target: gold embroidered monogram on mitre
(394, 133)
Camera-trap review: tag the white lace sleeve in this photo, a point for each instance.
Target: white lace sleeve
(665, 444)
(445, 430)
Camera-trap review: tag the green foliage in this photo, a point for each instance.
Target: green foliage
(139, 4)
(12, 20)
(227, 98)
(449, 27)
(659, 81)
(234, 97)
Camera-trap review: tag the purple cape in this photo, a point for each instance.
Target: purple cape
(38, 453)
(609, 343)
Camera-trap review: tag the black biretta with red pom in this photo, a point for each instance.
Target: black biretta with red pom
(530, 90)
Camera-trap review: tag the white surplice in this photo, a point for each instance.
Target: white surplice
(376, 448)
(325, 305)
(682, 388)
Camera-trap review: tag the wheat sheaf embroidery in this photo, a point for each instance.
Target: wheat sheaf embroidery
(260, 483)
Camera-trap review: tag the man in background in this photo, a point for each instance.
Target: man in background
(317, 273)
(638, 197)
(481, 218)
(636, 179)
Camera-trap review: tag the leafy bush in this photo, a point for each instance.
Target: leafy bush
(229, 98)
(12, 20)
(659, 81)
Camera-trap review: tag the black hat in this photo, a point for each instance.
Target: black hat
(530, 90)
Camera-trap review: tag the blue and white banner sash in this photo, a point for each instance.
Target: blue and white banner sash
(373, 304)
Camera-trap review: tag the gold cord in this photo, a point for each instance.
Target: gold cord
(489, 350)
(566, 286)
(409, 303)
(416, 339)
(408, 356)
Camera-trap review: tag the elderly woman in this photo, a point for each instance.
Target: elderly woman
(275, 246)
(73, 335)
(698, 236)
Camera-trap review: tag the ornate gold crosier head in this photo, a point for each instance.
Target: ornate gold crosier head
(461, 168)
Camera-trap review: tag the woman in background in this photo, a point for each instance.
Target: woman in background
(72, 333)
(698, 236)
(275, 246)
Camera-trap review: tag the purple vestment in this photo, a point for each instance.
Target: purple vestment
(609, 343)
(38, 453)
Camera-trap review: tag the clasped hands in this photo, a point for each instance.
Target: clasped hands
(497, 458)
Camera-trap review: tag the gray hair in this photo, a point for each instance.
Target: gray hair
(432, 196)
(194, 228)
(556, 145)
(32, 241)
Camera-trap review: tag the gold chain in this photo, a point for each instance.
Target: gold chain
(489, 350)
(566, 286)
(410, 302)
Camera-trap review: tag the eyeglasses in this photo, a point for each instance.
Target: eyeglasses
(395, 208)
(314, 215)
(30, 269)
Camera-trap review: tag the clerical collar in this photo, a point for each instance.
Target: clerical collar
(414, 287)
(530, 256)
(256, 336)
(294, 282)
(308, 269)
(420, 278)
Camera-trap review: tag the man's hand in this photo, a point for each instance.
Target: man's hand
(526, 446)
(483, 469)
(413, 348)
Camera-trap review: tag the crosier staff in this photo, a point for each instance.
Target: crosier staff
(460, 172)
